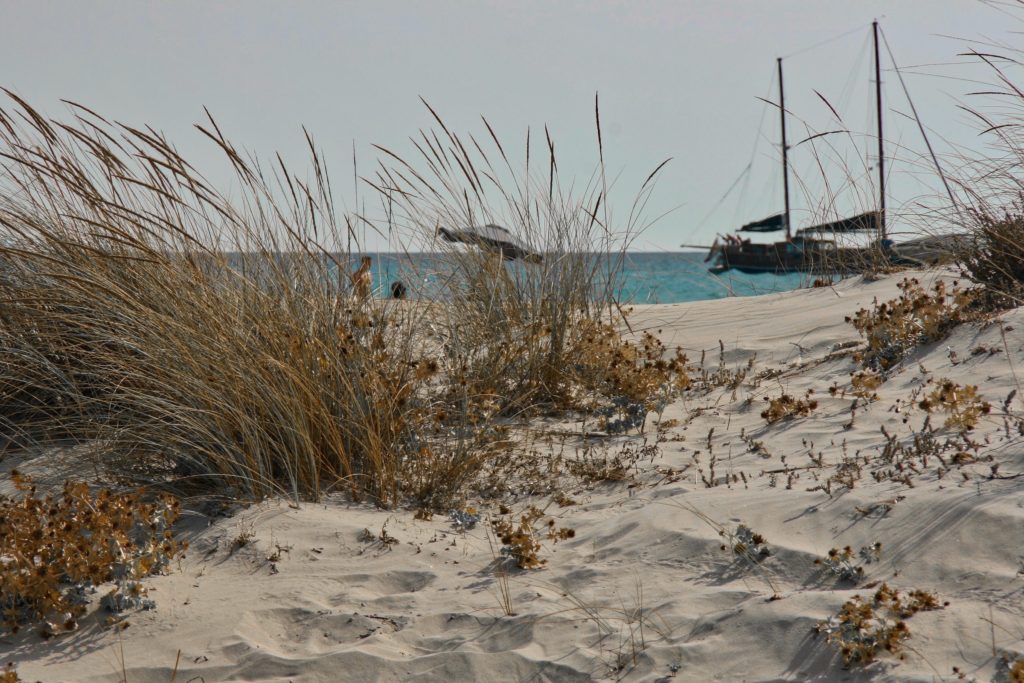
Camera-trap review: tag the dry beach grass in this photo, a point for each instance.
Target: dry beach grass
(197, 341)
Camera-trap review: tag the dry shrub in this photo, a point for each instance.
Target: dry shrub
(9, 675)
(610, 365)
(786, 407)
(746, 543)
(621, 380)
(962, 403)
(915, 317)
(596, 369)
(864, 628)
(521, 541)
(865, 384)
(1009, 669)
(57, 547)
(843, 563)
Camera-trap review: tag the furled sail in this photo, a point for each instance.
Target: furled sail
(770, 224)
(859, 223)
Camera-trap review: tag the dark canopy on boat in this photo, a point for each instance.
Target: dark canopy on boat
(859, 223)
(492, 238)
(770, 224)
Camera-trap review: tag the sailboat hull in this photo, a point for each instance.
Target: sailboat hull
(793, 257)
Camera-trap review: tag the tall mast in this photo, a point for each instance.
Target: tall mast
(881, 144)
(785, 147)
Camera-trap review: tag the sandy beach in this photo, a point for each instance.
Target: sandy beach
(651, 586)
(675, 341)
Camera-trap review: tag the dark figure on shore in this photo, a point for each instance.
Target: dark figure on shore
(398, 290)
(362, 280)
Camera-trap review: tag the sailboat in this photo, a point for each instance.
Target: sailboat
(810, 249)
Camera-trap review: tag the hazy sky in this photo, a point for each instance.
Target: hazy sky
(676, 79)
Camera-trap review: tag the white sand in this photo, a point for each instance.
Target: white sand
(338, 608)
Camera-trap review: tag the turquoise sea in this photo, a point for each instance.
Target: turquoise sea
(648, 278)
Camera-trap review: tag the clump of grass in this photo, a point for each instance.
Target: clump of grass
(215, 343)
(624, 629)
(598, 462)
(526, 333)
(184, 336)
(992, 254)
(962, 403)
(58, 547)
(915, 317)
(786, 407)
(864, 628)
(993, 257)
(245, 536)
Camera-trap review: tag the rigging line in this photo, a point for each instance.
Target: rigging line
(927, 142)
(760, 122)
(824, 42)
(745, 173)
(753, 151)
(853, 78)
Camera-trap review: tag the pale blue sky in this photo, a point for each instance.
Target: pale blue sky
(676, 79)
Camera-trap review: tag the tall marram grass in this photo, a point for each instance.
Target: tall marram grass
(522, 333)
(211, 343)
(991, 186)
(183, 335)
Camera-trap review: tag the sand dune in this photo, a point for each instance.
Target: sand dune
(644, 591)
